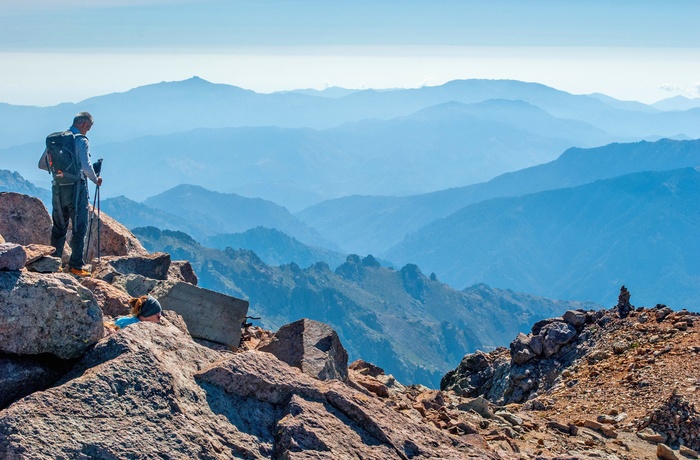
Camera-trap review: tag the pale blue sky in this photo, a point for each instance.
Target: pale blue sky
(68, 50)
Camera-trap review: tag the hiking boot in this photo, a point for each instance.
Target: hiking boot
(79, 272)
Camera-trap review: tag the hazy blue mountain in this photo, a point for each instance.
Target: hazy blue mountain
(625, 105)
(230, 213)
(333, 91)
(454, 144)
(158, 136)
(274, 247)
(194, 103)
(677, 103)
(584, 242)
(443, 146)
(13, 182)
(381, 315)
(133, 214)
(372, 224)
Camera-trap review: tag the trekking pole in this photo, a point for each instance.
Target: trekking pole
(96, 200)
(97, 192)
(89, 235)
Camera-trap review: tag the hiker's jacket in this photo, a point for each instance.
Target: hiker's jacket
(124, 321)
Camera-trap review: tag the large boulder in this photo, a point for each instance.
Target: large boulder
(114, 238)
(177, 399)
(556, 335)
(209, 315)
(25, 219)
(321, 419)
(12, 256)
(311, 346)
(113, 301)
(47, 314)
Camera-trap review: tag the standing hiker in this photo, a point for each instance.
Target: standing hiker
(67, 158)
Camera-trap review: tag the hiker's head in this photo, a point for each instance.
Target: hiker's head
(83, 121)
(146, 308)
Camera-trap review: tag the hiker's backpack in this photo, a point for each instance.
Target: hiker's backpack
(61, 157)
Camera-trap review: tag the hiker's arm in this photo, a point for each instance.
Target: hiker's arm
(81, 145)
(43, 162)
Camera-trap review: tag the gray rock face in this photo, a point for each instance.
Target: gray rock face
(23, 375)
(311, 346)
(154, 266)
(209, 315)
(47, 314)
(149, 391)
(182, 270)
(25, 219)
(480, 374)
(12, 256)
(556, 335)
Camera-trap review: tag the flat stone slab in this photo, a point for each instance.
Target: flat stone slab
(209, 315)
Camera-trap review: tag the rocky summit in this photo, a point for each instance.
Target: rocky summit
(607, 384)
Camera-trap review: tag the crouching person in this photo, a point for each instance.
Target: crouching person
(144, 308)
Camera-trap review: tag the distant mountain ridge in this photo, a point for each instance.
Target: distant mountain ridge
(133, 214)
(380, 314)
(275, 247)
(442, 146)
(190, 105)
(231, 213)
(639, 230)
(372, 224)
(12, 181)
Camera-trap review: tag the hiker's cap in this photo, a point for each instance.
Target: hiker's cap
(150, 307)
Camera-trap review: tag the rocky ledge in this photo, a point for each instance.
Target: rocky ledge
(588, 385)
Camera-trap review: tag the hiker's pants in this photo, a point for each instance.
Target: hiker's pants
(70, 203)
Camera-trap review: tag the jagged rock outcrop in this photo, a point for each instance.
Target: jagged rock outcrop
(178, 399)
(592, 384)
(311, 346)
(533, 363)
(617, 382)
(36, 252)
(182, 270)
(47, 314)
(25, 219)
